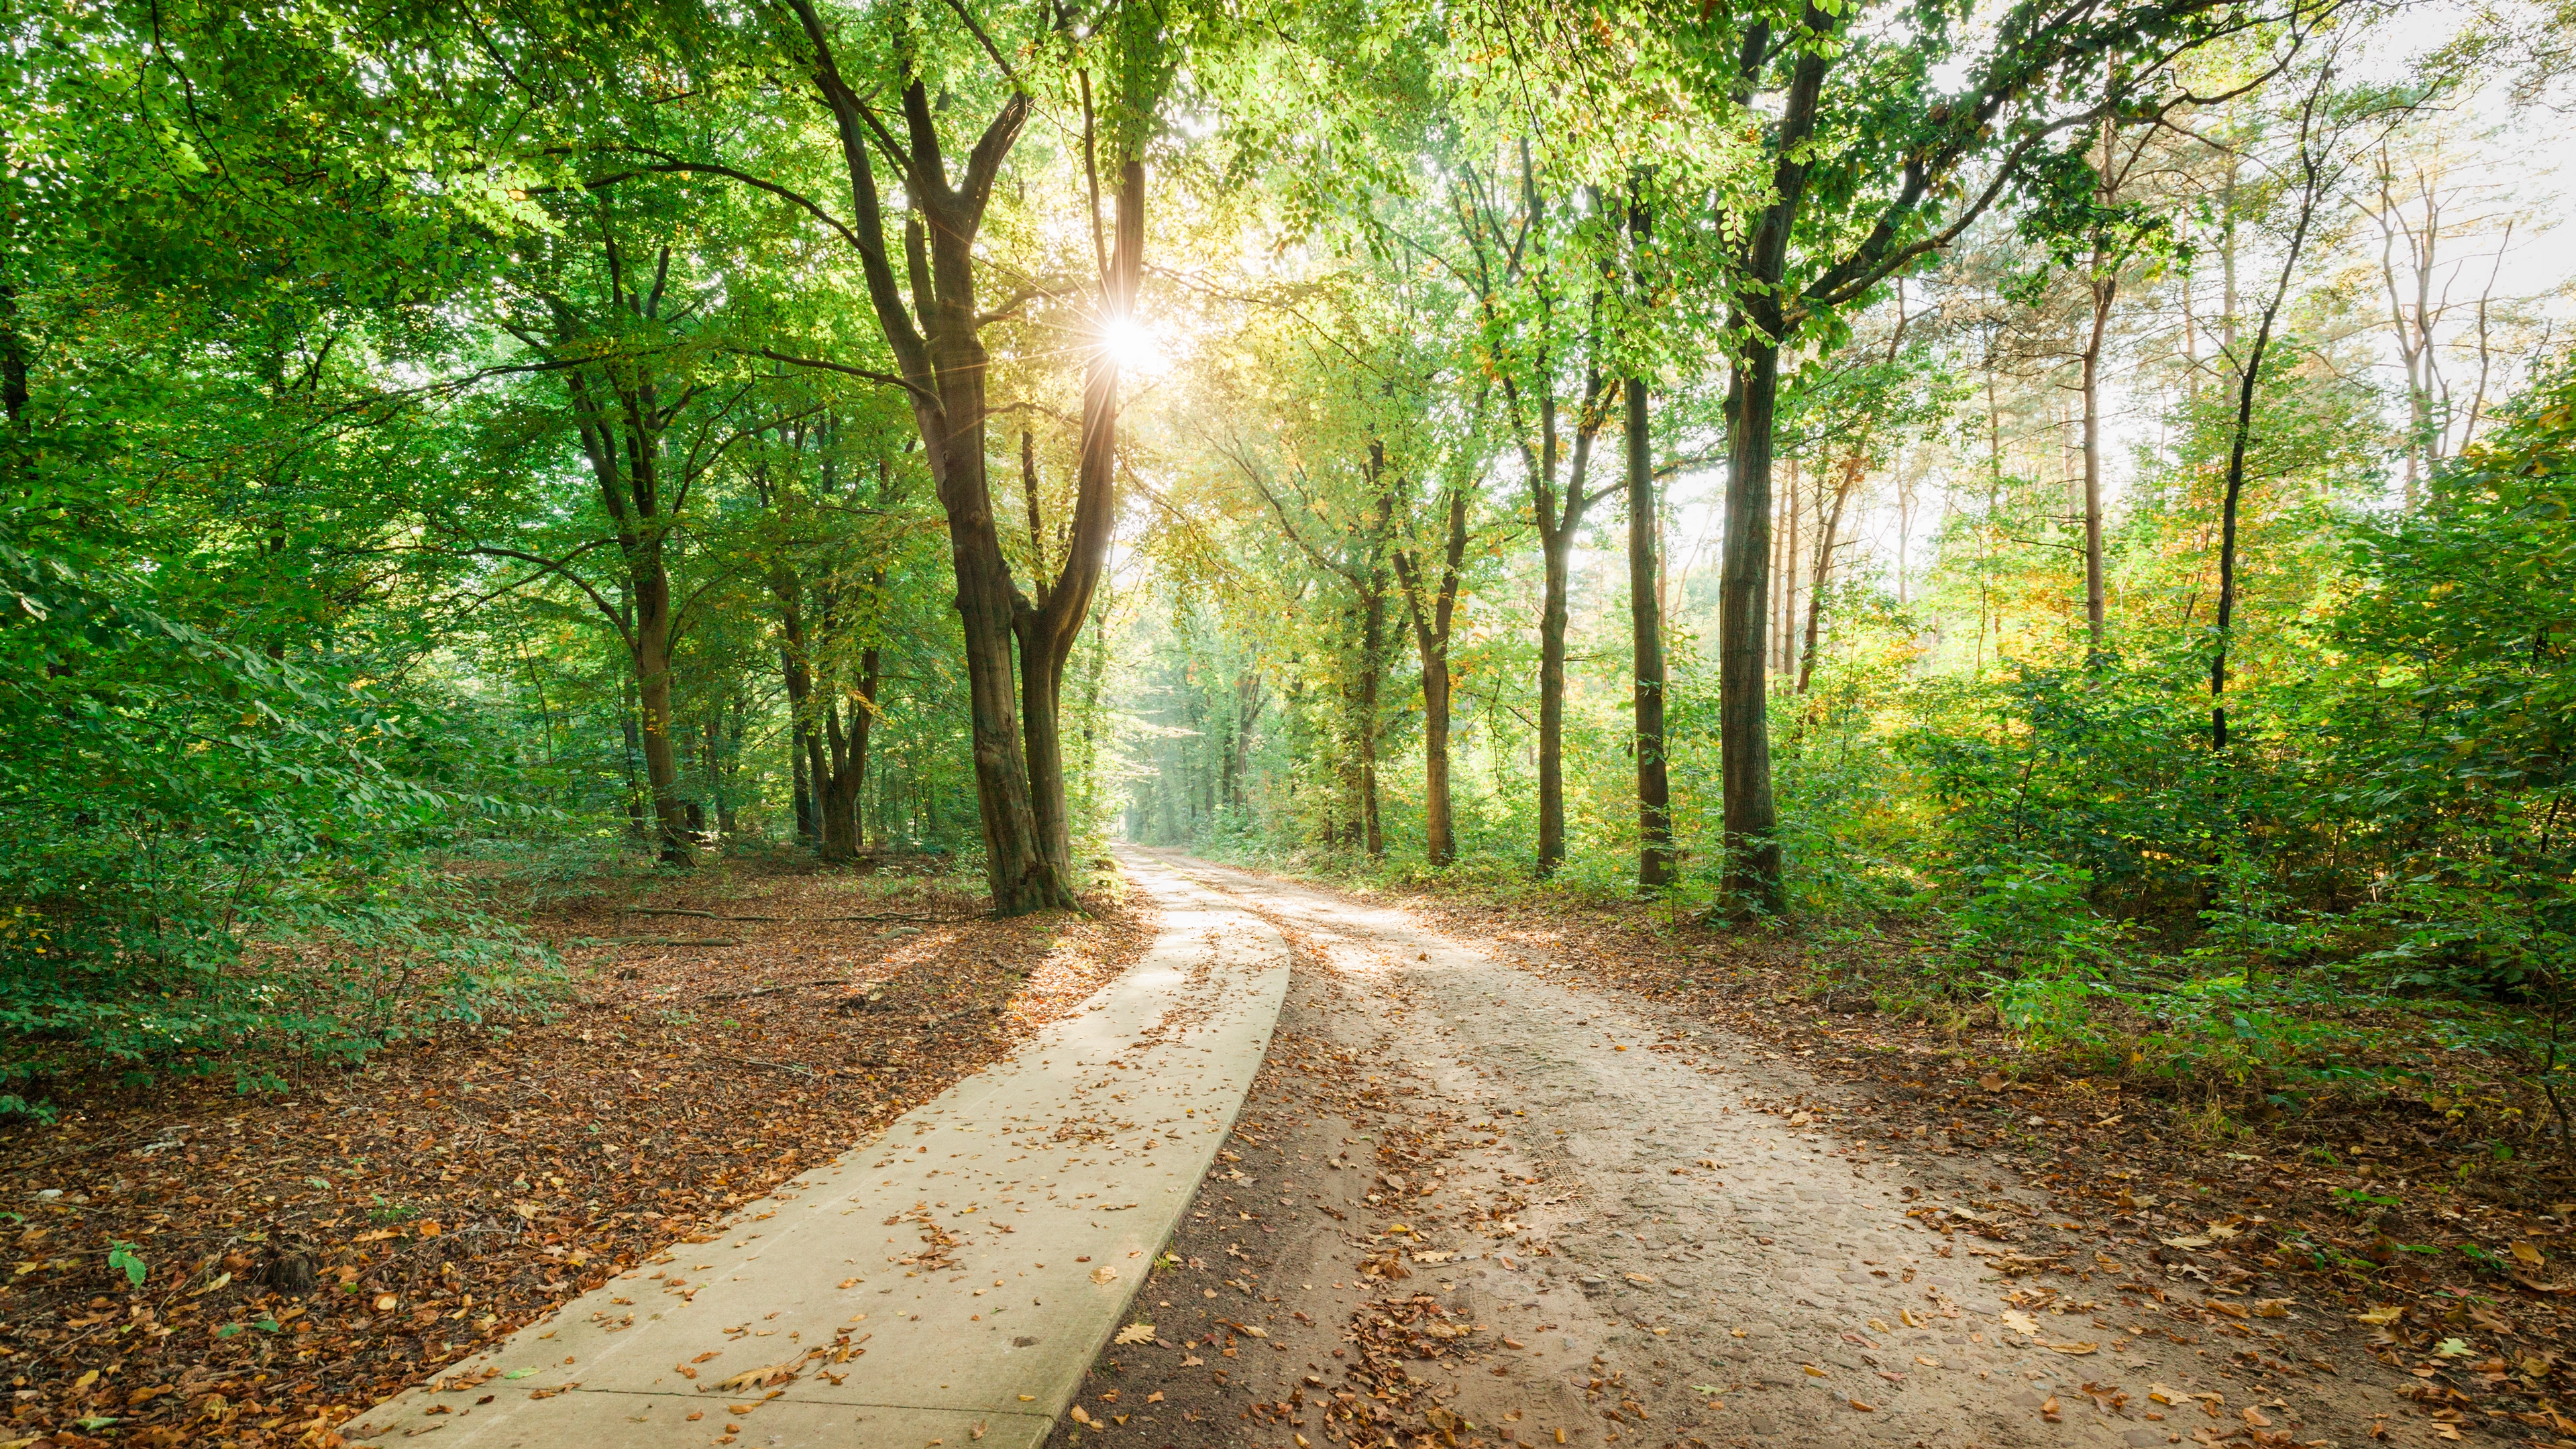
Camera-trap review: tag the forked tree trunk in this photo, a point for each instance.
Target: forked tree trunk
(936, 339)
(1431, 625)
(618, 418)
(1560, 521)
(1049, 630)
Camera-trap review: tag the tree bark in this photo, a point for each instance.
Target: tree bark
(1832, 524)
(1645, 613)
(1751, 881)
(1431, 626)
(1560, 521)
(1372, 670)
(938, 347)
(1049, 629)
(616, 419)
(2105, 287)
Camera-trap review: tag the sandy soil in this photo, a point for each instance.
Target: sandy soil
(1470, 1204)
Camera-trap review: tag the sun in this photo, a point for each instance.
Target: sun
(1130, 345)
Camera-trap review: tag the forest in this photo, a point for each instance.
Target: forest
(2022, 548)
(2060, 507)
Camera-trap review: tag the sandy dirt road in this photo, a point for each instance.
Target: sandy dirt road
(1613, 1231)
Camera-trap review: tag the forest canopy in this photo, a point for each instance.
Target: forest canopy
(2072, 495)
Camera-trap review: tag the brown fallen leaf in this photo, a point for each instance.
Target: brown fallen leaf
(1864, 1408)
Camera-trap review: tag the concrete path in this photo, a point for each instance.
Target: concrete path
(946, 1283)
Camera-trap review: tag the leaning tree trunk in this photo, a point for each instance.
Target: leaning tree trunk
(1049, 631)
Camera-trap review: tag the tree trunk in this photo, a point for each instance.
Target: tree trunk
(1049, 630)
(1752, 877)
(653, 689)
(1431, 623)
(1557, 556)
(1654, 789)
(1372, 668)
(2247, 382)
(2105, 288)
(937, 344)
(1816, 576)
(803, 790)
(836, 782)
(1789, 574)
(628, 712)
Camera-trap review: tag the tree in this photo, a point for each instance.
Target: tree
(1832, 222)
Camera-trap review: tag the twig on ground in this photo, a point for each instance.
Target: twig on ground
(774, 990)
(681, 911)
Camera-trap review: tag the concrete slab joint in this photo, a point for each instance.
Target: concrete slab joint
(950, 1280)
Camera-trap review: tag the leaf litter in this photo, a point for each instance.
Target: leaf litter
(309, 1253)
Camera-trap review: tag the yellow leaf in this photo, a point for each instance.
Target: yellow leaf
(2381, 1315)
(2073, 1348)
(2524, 1252)
(1135, 1333)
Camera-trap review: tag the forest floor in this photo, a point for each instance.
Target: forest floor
(306, 1254)
(1516, 1175)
